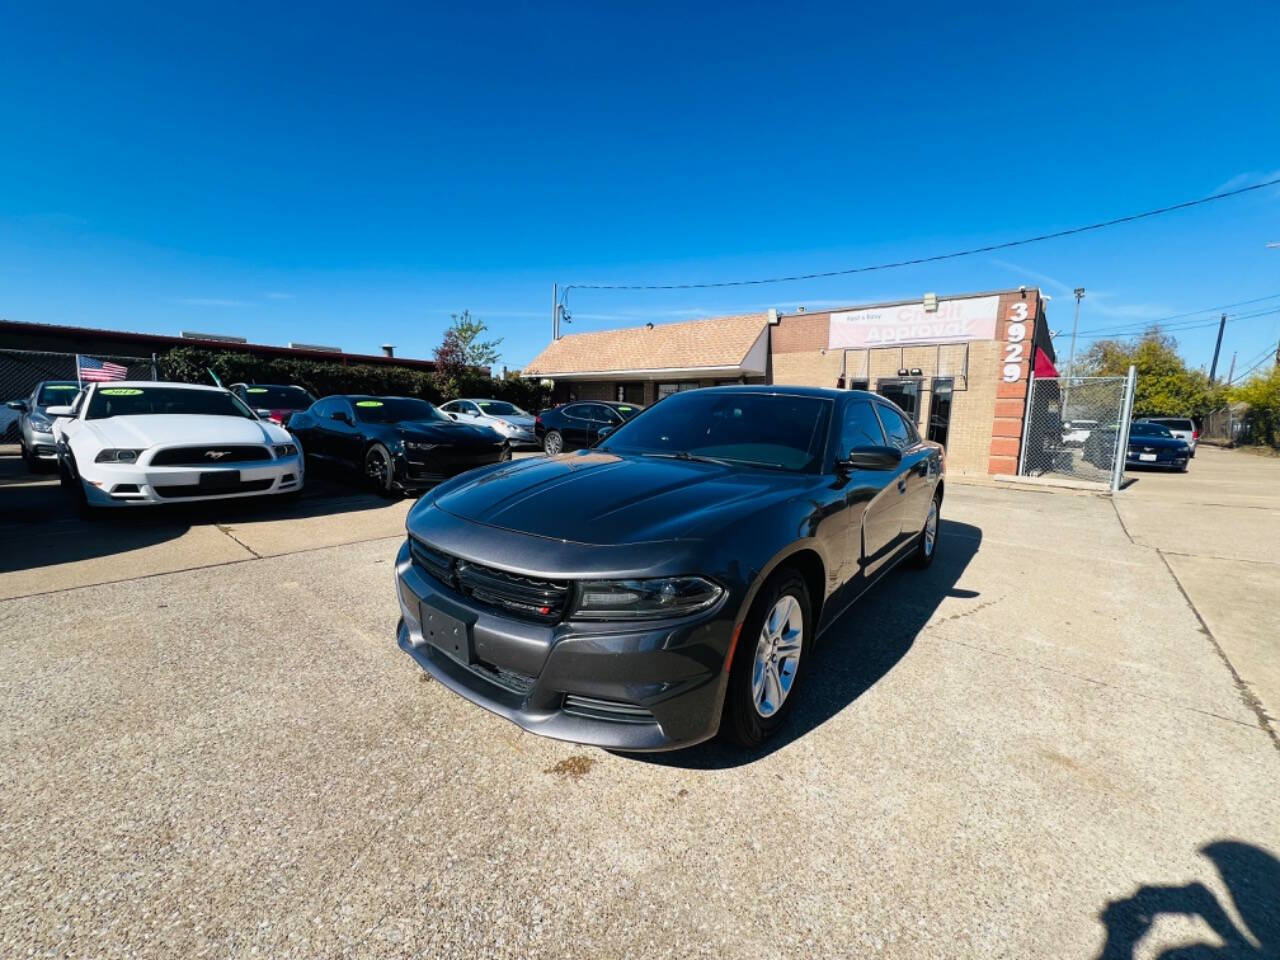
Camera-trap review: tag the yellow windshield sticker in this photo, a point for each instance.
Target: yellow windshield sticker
(257, 390)
(120, 392)
(62, 386)
(368, 403)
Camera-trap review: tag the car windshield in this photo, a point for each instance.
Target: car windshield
(278, 398)
(395, 409)
(1148, 430)
(626, 410)
(500, 408)
(57, 394)
(754, 429)
(145, 400)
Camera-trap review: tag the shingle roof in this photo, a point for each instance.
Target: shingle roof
(713, 342)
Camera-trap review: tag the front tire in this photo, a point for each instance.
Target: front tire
(773, 646)
(927, 546)
(379, 471)
(73, 486)
(552, 443)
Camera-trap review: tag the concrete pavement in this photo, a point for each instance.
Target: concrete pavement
(236, 760)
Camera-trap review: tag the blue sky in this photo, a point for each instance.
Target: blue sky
(352, 174)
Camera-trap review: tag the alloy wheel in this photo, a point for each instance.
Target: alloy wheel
(777, 656)
(931, 529)
(377, 468)
(553, 443)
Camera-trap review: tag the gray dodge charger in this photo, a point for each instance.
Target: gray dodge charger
(670, 583)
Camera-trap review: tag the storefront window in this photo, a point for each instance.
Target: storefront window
(905, 393)
(667, 389)
(940, 410)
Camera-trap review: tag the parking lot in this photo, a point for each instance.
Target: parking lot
(213, 747)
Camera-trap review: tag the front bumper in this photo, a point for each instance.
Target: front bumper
(43, 446)
(622, 686)
(132, 484)
(431, 469)
(1175, 461)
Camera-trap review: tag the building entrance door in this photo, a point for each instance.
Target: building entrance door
(940, 411)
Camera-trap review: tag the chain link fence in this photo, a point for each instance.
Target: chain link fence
(1073, 427)
(1228, 426)
(21, 370)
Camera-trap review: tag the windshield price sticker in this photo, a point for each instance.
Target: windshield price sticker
(257, 390)
(368, 403)
(120, 392)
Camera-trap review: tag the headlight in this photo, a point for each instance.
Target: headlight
(43, 424)
(112, 455)
(286, 449)
(645, 599)
(419, 447)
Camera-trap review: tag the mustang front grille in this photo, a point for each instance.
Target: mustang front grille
(530, 598)
(215, 455)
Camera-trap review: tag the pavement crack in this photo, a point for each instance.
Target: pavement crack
(1124, 528)
(224, 529)
(1247, 695)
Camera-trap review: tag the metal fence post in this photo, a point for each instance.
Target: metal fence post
(1026, 425)
(1122, 430)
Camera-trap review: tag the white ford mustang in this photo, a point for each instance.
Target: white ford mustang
(124, 443)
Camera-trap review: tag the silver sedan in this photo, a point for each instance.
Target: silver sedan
(506, 418)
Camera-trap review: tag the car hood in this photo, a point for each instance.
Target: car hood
(1156, 442)
(517, 421)
(446, 431)
(601, 498)
(152, 430)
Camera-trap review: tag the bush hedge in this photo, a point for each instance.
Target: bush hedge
(192, 365)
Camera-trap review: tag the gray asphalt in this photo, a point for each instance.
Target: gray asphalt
(213, 748)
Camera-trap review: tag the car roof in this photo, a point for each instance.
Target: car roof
(781, 390)
(287, 386)
(155, 383)
(369, 396)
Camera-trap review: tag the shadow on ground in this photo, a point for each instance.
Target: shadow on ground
(856, 651)
(1252, 878)
(41, 528)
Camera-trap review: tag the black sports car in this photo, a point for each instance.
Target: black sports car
(633, 595)
(1153, 445)
(573, 426)
(396, 443)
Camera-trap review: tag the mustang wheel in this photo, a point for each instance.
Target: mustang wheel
(772, 645)
(378, 470)
(928, 544)
(552, 443)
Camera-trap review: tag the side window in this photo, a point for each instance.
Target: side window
(578, 411)
(339, 403)
(896, 428)
(322, 408)
(609, 415)
(860, 428)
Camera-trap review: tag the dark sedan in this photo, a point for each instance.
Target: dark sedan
(671, 582)
(577, 425)
(1153, 445)
(395, 443)
(273, 401)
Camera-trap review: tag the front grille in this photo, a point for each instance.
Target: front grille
(209, 455)
(517, 683)
(442, 465)
(195, 490)
(613, 710)
(530, 598)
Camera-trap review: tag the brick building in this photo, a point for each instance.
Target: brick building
(959, 365)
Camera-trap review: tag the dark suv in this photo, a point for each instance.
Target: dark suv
(577, 425)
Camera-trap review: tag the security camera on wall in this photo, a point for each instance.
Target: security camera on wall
(1022, 289)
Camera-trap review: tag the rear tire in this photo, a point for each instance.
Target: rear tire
(553, 443)
(927, 546)
(769, 660)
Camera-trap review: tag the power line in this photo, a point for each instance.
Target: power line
(1133, 329)
(990, 248)
(1194, 313)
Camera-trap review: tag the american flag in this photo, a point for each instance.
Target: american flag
(92, 370)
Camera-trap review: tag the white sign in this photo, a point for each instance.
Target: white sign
(954, 321)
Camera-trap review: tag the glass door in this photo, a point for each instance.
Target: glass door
(940, 411)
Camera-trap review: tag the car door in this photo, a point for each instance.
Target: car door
(577, 425)
(309, 428)
(872, 501)
(602, 416)
(913, 480)
(345, 436)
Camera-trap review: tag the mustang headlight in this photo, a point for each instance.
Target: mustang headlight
(645, 599)
(286, 449)
(112, 455)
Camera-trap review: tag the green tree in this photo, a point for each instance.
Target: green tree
(1166, 387)
(1262, 393)
(462, 346)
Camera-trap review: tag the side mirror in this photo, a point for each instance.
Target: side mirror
(872, 458)
(17, 405)
(58, 412)
(452, 415)
(602, 433)
(341, 416)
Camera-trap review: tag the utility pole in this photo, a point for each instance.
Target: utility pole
(555, 312)
(1231, 373)
(1213, 367)
(1071, 356)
